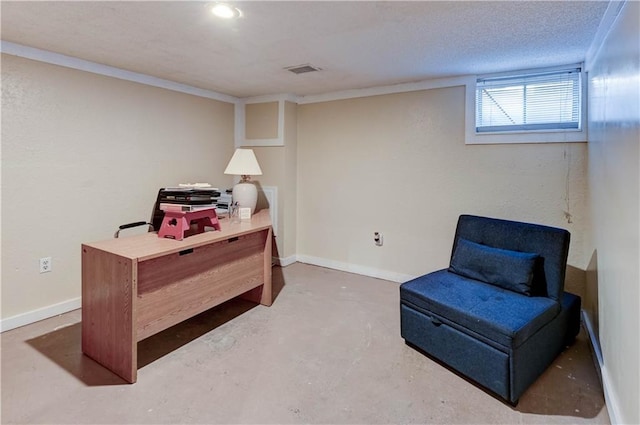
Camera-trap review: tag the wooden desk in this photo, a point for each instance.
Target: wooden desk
(137, 286)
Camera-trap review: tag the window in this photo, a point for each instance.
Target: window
(548, 101)
(526, 107)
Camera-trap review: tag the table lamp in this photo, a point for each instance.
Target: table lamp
(244, 163)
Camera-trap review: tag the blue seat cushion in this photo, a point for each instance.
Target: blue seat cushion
(500, 315)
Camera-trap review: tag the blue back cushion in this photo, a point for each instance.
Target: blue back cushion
(550, 243)
(510, 270)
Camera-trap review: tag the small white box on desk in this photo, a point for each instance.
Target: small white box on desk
(245, 213)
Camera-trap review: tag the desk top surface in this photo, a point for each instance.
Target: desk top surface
(149, 245)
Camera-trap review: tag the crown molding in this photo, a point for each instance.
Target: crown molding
(607, 21)
(286, 97)
(53, 58)
(382, 90)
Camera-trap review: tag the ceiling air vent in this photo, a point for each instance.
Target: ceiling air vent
(301, 69)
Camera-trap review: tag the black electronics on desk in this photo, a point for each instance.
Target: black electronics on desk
(183, 196)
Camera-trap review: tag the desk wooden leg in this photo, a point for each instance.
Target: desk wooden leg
(108, 311)
(263, 294)
(267, 293)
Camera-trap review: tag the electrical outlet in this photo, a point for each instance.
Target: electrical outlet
(377, 238)
(45, 264)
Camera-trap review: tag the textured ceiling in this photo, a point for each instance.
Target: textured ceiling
(357, 44)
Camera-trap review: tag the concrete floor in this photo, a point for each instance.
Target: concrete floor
(328, 351)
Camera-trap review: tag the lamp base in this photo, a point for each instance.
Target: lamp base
(246, 195)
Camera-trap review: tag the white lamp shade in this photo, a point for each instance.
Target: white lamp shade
(243, 162)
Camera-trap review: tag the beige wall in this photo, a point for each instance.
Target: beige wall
(290, 189)
(398, 164)
(261, 120)
(279, 167)
(82, 154)
(271, 160)
(614, 175)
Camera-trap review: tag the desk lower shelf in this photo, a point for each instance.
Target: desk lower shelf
(126, 299)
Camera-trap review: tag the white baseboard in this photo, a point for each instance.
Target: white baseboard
(284, 262)
(354, 268)
(610, 397)
(592, 337)
(76, 303)
(39, 314)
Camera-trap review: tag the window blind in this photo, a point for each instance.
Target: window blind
(546, 101)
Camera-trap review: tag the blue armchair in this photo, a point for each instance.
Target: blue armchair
(499, 314)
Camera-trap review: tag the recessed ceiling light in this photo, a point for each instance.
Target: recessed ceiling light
(225, 11)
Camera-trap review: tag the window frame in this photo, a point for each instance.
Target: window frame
(572, 135)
